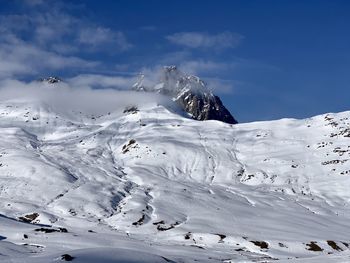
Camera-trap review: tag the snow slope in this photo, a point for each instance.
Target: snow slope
(148, 185)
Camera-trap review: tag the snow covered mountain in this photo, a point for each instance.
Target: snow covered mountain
(191, 93)
(147, 185)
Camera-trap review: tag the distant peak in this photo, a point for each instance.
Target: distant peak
(170, 68)
(50, 80)
(139, 84)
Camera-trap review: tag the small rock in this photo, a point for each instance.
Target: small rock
(67, 257)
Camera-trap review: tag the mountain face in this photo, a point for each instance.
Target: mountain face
(50, 80)
(191, 93)
(148, 185)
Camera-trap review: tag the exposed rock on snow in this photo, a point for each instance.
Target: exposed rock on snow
(50, 80)
(149, 185)
(191, 93)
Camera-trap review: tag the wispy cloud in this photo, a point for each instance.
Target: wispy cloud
(101, 36)
(203, 67)
(48, 37)
(65, 98)
(18, 57)
(102, 81)
(221, 86)
(212, 72)
(221, 40)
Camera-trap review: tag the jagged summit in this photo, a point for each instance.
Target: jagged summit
(50, 80)
(190, 92)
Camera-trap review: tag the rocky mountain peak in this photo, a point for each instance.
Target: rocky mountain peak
(190, 92)
(50, 80)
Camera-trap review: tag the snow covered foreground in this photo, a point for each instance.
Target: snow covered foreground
(149, 185)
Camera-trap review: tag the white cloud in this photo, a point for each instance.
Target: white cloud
(203, 68)
(42, 27)
(52, 25)
(64, 49)
(204, 40)
(221, 86)
(47, 37)
(102, 81)
(65, 98)
(18, 57)
(200, 67)
(100, 36)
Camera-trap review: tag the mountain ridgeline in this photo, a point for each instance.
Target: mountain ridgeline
(147, 185)
(188, 91)
(191, 93)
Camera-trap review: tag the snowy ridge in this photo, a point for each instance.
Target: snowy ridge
(171, 189)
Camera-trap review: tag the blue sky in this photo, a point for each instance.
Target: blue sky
(265, 59)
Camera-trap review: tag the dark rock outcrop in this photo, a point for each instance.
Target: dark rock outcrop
(50, 80)
(203, 107)
(191, 93)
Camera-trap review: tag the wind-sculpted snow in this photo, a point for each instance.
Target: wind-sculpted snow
(147, 185)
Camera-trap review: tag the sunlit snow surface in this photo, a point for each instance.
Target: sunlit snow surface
(152, 186)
